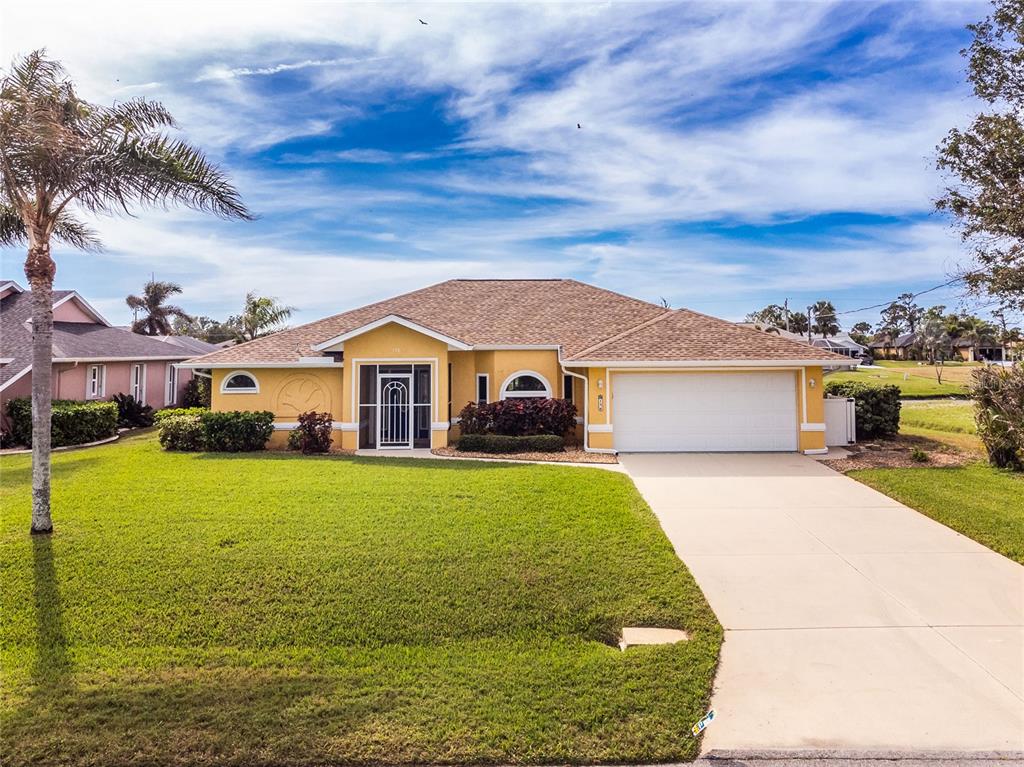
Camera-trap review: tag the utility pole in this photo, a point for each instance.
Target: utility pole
(810, 322)
(785, 312)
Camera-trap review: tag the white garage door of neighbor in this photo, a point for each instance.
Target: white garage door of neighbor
(693, 412)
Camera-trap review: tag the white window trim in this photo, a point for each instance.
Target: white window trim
(503, 394)
(232, 374)
(101, 382)
(171, 385)
(142, 381)
(487, 387)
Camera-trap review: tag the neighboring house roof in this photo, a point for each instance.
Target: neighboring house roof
(907, 339)
(81, 341)
(580, 319)
(189, 344)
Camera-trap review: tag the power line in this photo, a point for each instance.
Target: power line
(913, 295)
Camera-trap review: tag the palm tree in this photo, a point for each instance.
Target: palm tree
(58, 153)
(262, 316)
(824, 314)
(156, 321)
(976, 332)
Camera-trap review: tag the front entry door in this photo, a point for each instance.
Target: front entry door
(394, 417)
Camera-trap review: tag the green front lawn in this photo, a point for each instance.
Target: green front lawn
(981, 502)
(915, 381)
(949, 421)
(274, 609)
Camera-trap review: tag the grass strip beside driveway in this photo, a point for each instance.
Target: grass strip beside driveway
(274, 609)
(982, 502)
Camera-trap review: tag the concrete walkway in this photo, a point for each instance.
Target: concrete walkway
(852, 622)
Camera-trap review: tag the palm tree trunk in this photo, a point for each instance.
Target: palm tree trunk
(40, 269)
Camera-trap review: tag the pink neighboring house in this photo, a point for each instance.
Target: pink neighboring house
(91, 358)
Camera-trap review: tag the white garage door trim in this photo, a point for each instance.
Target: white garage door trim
(705, 412)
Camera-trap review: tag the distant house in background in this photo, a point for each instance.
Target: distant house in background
(841, 343)
(905, 347)
(91, 358)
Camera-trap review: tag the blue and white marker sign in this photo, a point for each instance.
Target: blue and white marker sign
(698, 728)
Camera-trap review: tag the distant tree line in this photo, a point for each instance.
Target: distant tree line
(260, 316)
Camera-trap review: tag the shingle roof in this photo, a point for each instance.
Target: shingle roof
(584, 320)
(682, 335)
(71, 339)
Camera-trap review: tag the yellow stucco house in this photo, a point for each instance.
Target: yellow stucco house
(395, 374)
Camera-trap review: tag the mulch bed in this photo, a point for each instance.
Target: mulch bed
(570, 455)
(895, 453)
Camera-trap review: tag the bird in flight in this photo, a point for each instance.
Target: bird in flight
(421, 21)
(578, 126)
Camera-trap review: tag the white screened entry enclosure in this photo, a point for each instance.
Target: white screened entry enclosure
(698, 412)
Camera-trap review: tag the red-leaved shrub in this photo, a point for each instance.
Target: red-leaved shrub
(518, 417)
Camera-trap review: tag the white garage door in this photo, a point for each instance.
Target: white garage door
(705, 411)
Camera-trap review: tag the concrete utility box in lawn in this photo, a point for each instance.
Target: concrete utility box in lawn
(840, 421)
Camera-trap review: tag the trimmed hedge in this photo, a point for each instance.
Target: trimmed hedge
(72, 423)
(518, 417)
(224, 432)
(172, 412)
(183, 432)
(504, 443)
(237, 431)
(878, 407)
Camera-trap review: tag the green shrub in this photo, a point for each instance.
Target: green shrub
(878, 407)
(131, 412)
(173, 412)
(183, 431)
(999, 400)
(313, 434)
(503, 443)
(919, 456)
(197, 393)
(72, 423)
(237, 431)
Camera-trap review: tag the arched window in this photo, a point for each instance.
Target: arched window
(525, 383)
(239, 382)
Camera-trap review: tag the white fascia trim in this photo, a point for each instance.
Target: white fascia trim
(514, 347)
(600, 428)
(812, 427)
(707, 364)
(198, 363)
(393, 318)
(85, 305)
(316, 361)
(817, 451)
(292, 425)
(440, 426)
(101, 360)
(11, 284)
(6, 360)
(15, 377)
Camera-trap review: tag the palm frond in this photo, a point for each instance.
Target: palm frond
(72, 231)
(12, 228)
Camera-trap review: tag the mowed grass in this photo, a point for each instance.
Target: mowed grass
(914, 381)
(981, 502)
(268, 609)
(954, 416)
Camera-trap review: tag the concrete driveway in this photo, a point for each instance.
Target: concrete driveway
(852, 622)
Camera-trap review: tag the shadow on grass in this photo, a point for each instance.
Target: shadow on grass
(410, 463)
(52, 668)
(59, 469)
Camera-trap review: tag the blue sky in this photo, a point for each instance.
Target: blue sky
(730, 155)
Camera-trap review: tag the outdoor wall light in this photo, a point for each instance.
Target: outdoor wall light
(811, 383)
(600, 383)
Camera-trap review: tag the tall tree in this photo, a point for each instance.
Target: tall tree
(772, 316)
(205, 329)
(59, 153)
(912, 313)
(861, 332)
(986, 160)
(824, 316)
(977, 332)
(936, 344)
(798, 322)
(262, 316)
(157, 313)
